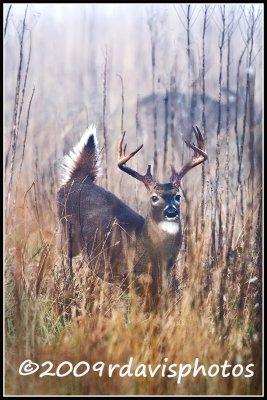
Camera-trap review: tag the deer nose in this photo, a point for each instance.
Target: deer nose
(170, 212)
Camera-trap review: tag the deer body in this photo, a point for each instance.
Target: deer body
(98, 224)
(92, 232)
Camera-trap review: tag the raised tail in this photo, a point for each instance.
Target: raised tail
(83, 159)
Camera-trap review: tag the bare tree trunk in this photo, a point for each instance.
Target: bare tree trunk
(166, 116)
(237, 104)
(221, 46)
(217, 172)
(237, 133)
(188, 51)
(187, 230)
(239, 182)
(15, 128)
(137, 135)
(250, 40)
(224, 271)
(227, 132)
(153, 28)
(203, 179)
(172, 116)
(251, 76)
(104, 117)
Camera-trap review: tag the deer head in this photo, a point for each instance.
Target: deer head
(164, 202)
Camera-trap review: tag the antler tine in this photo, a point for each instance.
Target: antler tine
(199, 157)
(147, 179)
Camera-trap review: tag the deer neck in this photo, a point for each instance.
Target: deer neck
(163, 236)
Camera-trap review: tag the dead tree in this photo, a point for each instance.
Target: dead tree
(153, 37)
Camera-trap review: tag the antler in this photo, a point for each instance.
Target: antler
(199, 157)
(147, 179)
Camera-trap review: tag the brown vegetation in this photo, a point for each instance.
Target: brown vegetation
(215, 315)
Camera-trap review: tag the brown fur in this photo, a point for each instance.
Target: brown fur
(98, 224)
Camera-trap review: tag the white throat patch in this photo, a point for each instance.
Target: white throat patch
(170, 227)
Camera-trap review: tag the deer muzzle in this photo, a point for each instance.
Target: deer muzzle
(170, 213)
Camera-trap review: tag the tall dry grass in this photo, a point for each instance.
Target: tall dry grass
(215, 315)
(111, 326)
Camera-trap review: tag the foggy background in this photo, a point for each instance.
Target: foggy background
(69, 45)
(180, 65)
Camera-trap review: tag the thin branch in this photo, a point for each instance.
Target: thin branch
(180, 19)
(14, 130)
(26, 130)
(7, 19)
(122, 104)
(237, 102)
(24, 85)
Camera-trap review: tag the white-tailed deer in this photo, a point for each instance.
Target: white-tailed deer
(98, 224)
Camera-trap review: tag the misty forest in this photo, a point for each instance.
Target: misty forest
(152, 71)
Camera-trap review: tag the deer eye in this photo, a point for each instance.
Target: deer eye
(154, 199)
(177, 198)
